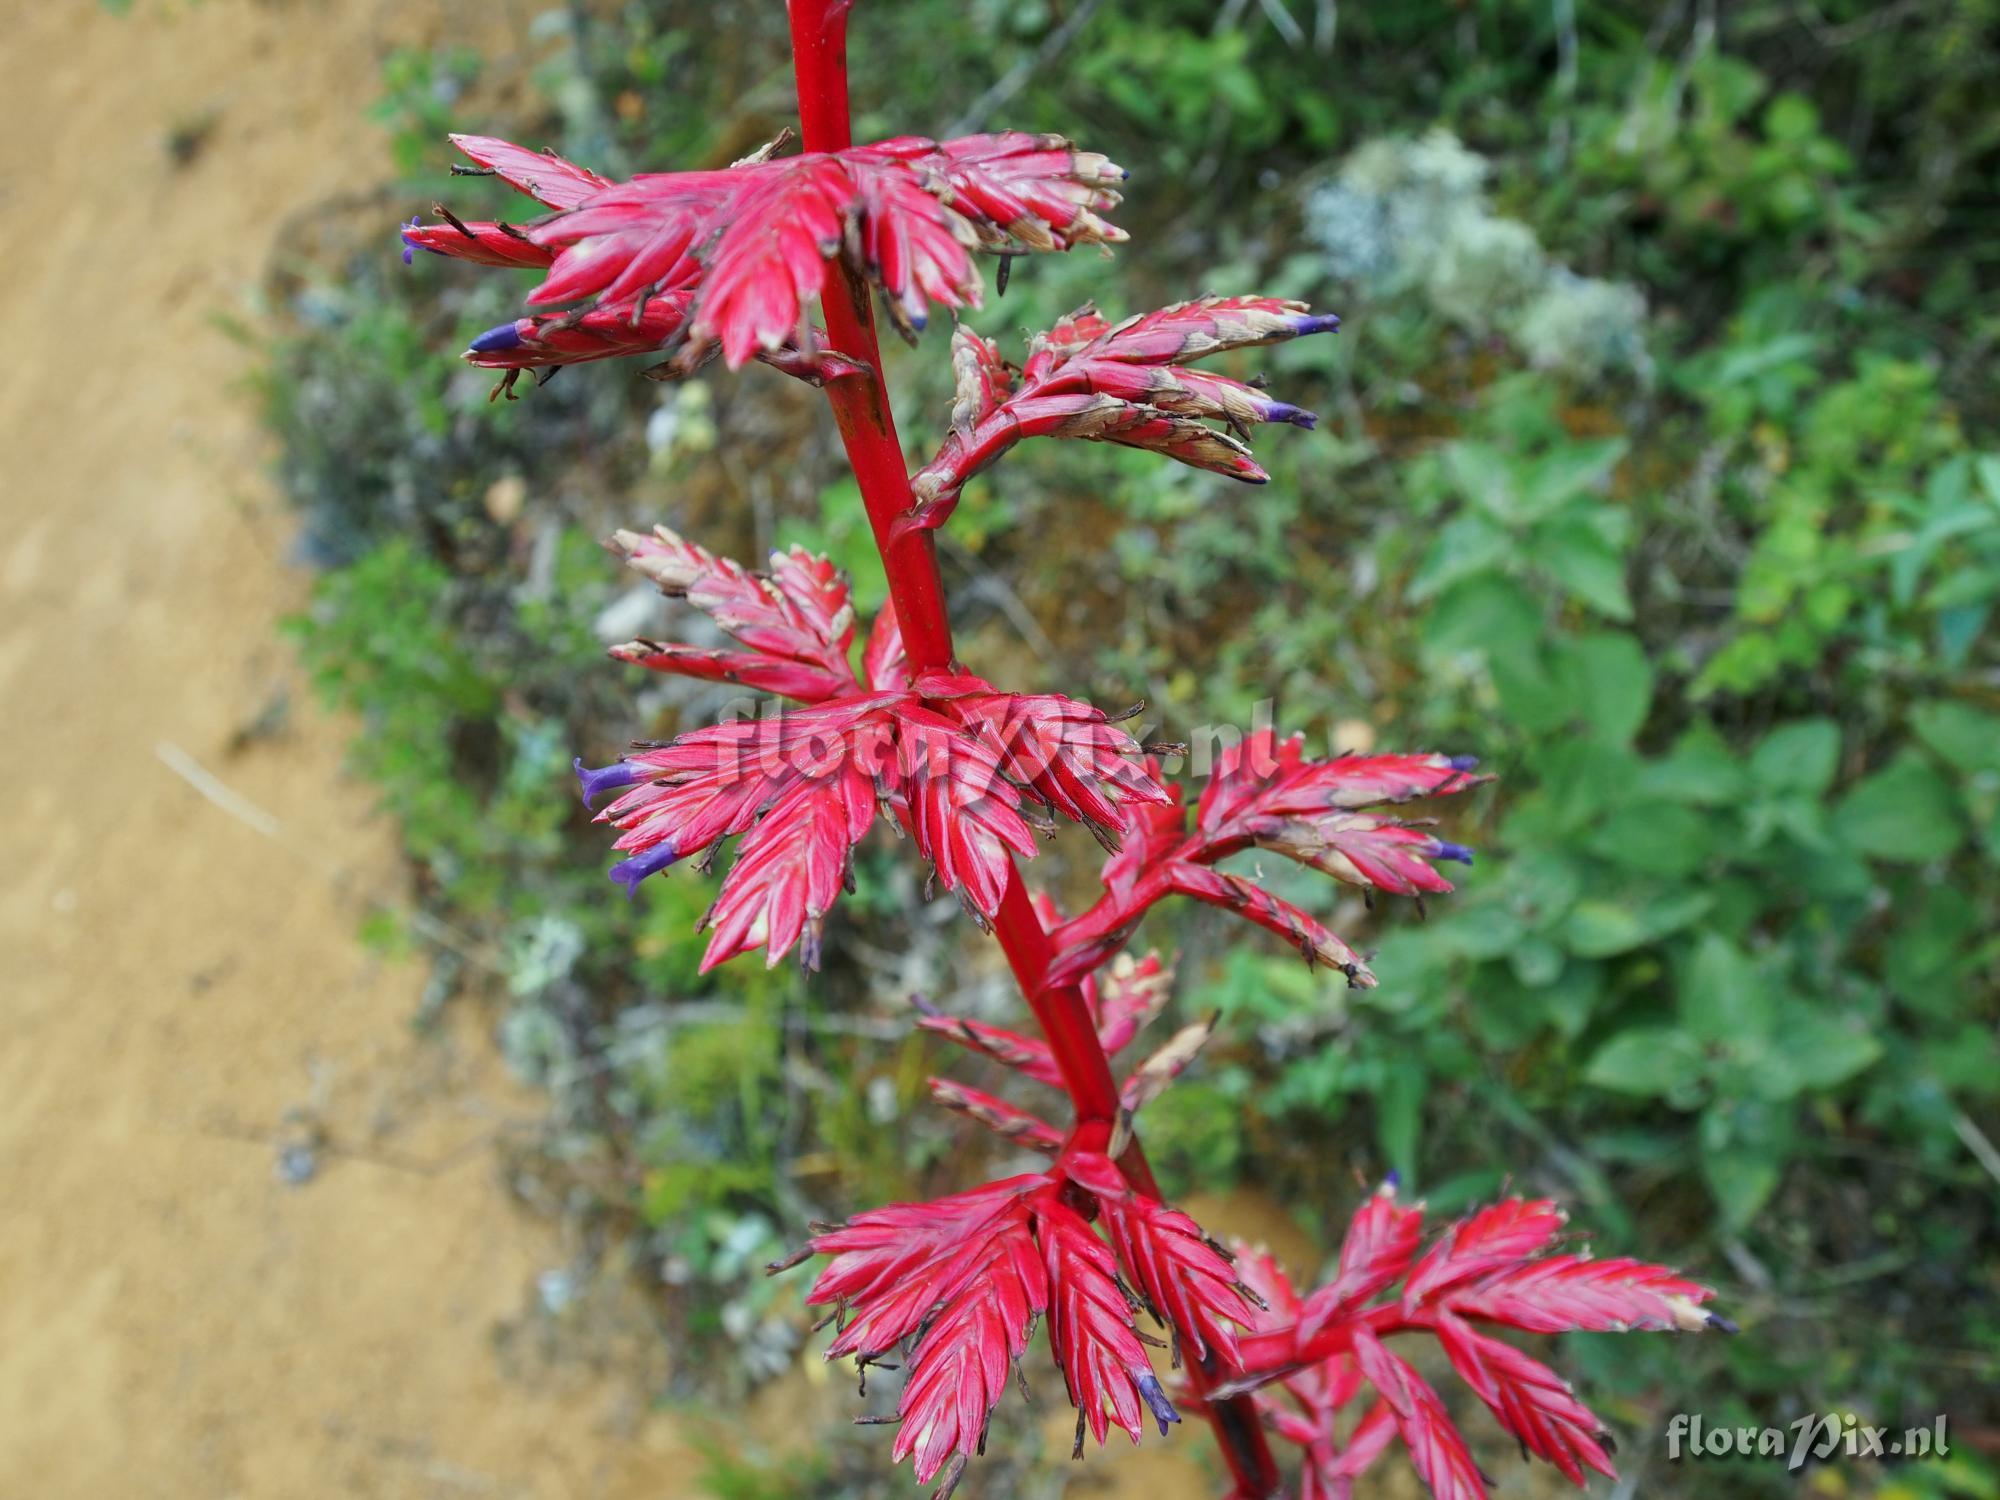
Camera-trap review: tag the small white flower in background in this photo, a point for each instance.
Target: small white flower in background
(1410, 217)
(681, 424)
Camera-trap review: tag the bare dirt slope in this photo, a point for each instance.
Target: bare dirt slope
(174, 978)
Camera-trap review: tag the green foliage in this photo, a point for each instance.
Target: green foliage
(422, 93)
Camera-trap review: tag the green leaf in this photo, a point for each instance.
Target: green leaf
(1743, 1145)
(1536, 962)
(1966, 737)
(1530, 694)
(1600, 928)
(1465, 546)
(1541, 884)
(1800, 757)
(1656, 838)
(1817, 1050)
(1585, 565)
(1479, 930)
(1650, 1061)
(1988, 465)
(1610, 683)
(1699, 770)
(1399, 1115)
(1963, 591)
(1486, 614)
(1791, 118)
(1483, 478)
(1723, 994)
(1583, 779)
(1742, 666)
(1905, 812)
(1569, 471)
(1741, 1179)
(1569, 1003)
(1926, 962)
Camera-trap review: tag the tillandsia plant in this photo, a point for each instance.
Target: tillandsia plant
(687, 265)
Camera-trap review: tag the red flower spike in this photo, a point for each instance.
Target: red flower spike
(1069, 336)
(1119, 383)
(789, 870)
(1133, 993)
(727, 262)
(1185, 1279)
(1029, 192)
(1068, 755)
(1104, 1366)
(1566, 1293)
(997, 1115)
(634, 235)
(892, 1265)
(915, 249)
(765, 674)
(1304, 1407)
(1495, 1238)
(960, 1365)
(798, 622)
(1442, 1460)
(1370, 1438)
(1265, 792)
(1305, 1360)
(964, 814)
(1370, 851)
(1277, 1299)
(770, 256)
(1533, 1403)
(682, 797)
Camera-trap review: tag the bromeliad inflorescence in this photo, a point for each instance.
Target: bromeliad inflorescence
(686, 265)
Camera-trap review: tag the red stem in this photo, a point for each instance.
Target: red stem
(868, 432)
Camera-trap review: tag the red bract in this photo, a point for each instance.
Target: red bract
(1122, 383)
(1266, 793)
(729, 262)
